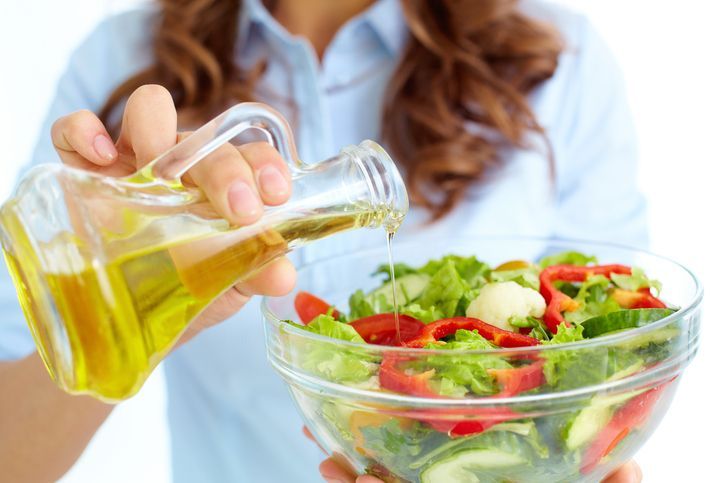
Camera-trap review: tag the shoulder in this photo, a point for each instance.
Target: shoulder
(584, 50)
(126, 30)
(587, 81)
(117, 48)
(573, 26)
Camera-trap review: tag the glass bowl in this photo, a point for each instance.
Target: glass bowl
(595, 415)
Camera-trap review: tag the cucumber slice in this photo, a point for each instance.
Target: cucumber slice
(622, 319)
(409, 287)
(587, 424)
(461, 467)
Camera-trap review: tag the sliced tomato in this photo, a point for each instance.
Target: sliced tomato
(309, 306)
(519, 379)
(380, 329)
(435, 331)
(627, 418)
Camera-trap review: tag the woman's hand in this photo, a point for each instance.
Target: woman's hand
(238, 181)
(334, 473)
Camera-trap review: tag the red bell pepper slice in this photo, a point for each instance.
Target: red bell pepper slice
(435, 331)
(627, 418)
(647, 301)
(309, 306)
(641, 299)
(395, 379)
(380, 329)
(558, 302)
(459, 422)
(467, 421)
(519, 379)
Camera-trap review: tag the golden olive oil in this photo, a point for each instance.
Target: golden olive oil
(395, 307)
(119, 318)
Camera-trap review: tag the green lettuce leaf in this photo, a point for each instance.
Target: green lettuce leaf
(637, 280)
(594, 300)
(527, 277)
(457, 376)
(329, 360)
(538, 328)
(568, 369)
(567, 334)
(400, 269)
(424, 315)
(567, 258)
(325, 325)
(470, 269)
(444, 291)
(361, 305)
(396, 446)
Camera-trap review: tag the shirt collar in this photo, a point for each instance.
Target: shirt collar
(388, 21)
(385, 17)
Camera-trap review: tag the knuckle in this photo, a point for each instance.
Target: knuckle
(79, 119)
(71, 124)
(57, 128)
(259, 152)
(220, 169)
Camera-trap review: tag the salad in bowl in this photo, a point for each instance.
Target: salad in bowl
(550, 365)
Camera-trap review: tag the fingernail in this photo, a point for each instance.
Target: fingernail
(242, 200)
(104, 147)
(273, 182)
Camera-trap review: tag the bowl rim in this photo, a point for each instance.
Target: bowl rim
(654, 376)
(605, 340)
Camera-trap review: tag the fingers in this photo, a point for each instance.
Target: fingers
(333, 472)
(228, 181)
(148, 129)
(628, 473)
(271, 172)
(367, 479)
(149, 124)
(81, 140)
(238, 181)
(275, 280)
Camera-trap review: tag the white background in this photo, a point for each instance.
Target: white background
(673, 59)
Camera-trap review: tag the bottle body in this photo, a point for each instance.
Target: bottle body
(110, 275)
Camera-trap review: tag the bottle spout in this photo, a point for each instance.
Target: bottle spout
(388, 194)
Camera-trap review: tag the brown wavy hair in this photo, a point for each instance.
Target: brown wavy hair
(456, 100)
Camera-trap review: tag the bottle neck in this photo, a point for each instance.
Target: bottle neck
(387, 194)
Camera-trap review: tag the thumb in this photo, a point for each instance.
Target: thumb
(149, 124)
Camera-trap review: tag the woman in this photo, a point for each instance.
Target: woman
(505, 118)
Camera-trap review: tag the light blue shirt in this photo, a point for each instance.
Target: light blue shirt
(231, 418)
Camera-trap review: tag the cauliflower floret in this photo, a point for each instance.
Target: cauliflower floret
(498, 302)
